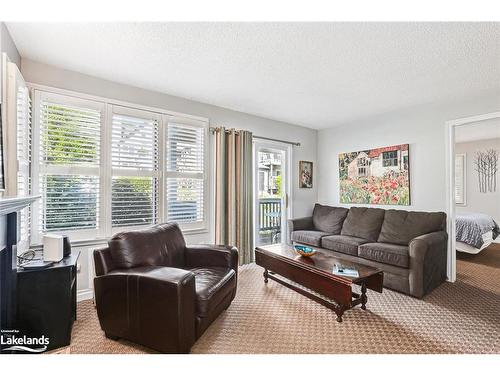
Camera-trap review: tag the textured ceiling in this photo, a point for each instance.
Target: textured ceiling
(312, 74)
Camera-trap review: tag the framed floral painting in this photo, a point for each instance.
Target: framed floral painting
(376, 176)
(305, 174)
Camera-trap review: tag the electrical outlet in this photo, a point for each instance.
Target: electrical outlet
(78, 267)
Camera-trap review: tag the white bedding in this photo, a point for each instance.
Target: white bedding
(466, 248)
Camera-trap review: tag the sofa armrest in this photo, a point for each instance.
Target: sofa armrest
(211, 256)
(151, 305)
(428, 260)
(301, 223)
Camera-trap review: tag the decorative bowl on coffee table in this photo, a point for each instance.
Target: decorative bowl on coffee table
(304, 251)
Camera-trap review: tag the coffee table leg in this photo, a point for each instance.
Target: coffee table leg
(265, 275)
(364, 298)
(339, 310)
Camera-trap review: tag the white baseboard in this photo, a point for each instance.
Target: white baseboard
(84, 294)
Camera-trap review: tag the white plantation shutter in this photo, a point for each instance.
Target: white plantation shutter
(69, 163)
(185, 200)
(185, 186)
(460, 178)
(70, 202)
(19, 147)
(70, 134)
(134, 160)
(102, 167)
(24, 160)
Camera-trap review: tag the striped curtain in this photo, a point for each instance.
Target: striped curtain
(234, 191)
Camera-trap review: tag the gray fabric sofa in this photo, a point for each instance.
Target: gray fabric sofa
(410, 247)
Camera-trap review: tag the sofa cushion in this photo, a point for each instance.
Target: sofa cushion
(363, 222)
(387, 253)
(400, 227)
(329, 219)
(212, 285)
(343, 244)
(159, 245)
(310, 237)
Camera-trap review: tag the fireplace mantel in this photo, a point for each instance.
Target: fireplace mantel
(8, 205)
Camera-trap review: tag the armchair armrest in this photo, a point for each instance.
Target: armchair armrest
(130, 301)
(212, 256)
(103, 263)
(301, 223)
(428, 261)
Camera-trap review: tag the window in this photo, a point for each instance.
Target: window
(69, 164)
(362, 167)
(185, 185)
(390, 159)
(134, 160)
(460, 179)
(101, 167)
(405, 162)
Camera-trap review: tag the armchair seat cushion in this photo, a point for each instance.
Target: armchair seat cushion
(309, 237)
(397, 255)
(343, 244)
(212, 285)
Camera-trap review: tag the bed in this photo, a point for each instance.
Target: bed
(475, 232)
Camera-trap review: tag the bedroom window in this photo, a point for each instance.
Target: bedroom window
(390, 159)
(460, 179)
(101, 167)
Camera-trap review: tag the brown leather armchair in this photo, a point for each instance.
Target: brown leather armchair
(152, 289)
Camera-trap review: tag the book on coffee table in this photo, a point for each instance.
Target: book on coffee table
(342, 270)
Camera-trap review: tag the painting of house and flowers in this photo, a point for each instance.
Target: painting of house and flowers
(377, 176)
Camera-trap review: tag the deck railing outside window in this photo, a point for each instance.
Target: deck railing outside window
(269, 220)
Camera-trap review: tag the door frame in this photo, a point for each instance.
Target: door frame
(450, 184)
(287, 179)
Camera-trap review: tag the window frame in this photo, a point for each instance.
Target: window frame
(391, 161)
(38, 168)
(105, 229)
(139, 113)
(363, 165)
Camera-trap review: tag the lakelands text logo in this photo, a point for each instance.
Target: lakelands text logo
(10, 340)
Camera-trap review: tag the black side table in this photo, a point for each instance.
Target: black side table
(46, 301)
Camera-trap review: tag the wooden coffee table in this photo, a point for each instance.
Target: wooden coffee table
(316, 274)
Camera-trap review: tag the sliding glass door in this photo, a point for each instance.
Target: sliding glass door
(271, 192)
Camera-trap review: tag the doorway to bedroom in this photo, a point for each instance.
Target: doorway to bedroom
(476, 191)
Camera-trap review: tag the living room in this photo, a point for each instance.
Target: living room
(268, 187)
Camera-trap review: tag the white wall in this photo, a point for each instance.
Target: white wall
(422, 127)
(303, 199)
(486, 203)
(7, 45)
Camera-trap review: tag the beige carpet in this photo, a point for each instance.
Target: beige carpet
(463, 317)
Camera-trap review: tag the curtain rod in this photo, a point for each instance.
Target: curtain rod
(212, 130)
